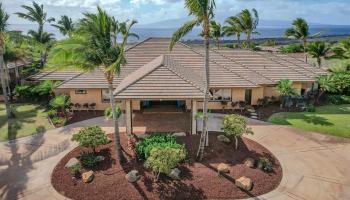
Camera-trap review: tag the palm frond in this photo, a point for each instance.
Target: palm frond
(181, 32)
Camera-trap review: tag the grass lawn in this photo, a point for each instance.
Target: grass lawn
(28, 118)
(330, 119)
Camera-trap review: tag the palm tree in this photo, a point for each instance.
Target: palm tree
(93, 48)
(286, 90)
(36, 14)
(342, 49)
(299, 31)
(203, 12)
(325, 84)
(232, 28)
(65, 25)
(3, 27)
(318, 50)
(216, 32)
(247, 22)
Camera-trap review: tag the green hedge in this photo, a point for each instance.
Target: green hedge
(338, 99)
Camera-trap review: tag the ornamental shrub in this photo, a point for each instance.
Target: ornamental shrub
(265, 164)
(75, 169)
(144, 148)
(91, 137)
(88, 160)
(235, 126)
(162, 160)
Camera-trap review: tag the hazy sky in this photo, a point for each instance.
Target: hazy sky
(148, 11)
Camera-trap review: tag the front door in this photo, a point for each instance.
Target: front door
(248, 96)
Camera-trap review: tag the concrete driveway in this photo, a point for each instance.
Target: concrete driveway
(315, 167)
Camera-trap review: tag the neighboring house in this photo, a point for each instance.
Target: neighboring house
(154, 76)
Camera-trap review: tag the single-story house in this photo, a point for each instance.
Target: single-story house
(154, 76)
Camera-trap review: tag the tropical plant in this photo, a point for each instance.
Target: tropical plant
(162, 160)
(88, 160)
(342, 49)
(232, 28)
(318, 50)
(65, 25)
(300, 31)
(124, 29)
(36, 13)
(265, 164)
(203, 12)
(247, 21)
(286, 90)
(60, 103)
(75, 170)
(91, 137)
(109, 114)
(342, 66)
(325, 84)
(341, 81)
(216, 32)
(3, 27)
(235, 126)
(92, 49)
(338, 99)
(144, 148)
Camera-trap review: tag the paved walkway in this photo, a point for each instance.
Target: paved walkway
(315, 166)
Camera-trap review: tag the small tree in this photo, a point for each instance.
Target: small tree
(235, 126)
(91, 137)
(285, 89)
(162, 160)
(109, 114)
(325, 84)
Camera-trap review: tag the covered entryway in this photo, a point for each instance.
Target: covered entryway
(167, 106)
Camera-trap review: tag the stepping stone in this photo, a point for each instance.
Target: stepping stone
(180, 134)
(253, 114)
(254, 117)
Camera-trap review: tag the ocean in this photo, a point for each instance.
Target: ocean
(265, 32)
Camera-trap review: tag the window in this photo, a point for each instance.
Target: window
(80, 91)
(105, 96)
(221, 94)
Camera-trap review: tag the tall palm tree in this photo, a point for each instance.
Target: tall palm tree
(216, 32)
(203, 12)
(299, 31)
(286, 90)
(318, 50)
(3, 27)
(247, 22)
(65, 25)
(93, 48)
(232, 28)
(36, 13)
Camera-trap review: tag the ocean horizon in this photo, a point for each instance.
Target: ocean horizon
(144, 33)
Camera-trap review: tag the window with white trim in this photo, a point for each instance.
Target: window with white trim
(105, 96)
(221, 94)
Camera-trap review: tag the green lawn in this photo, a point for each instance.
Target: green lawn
(330, 119)
(28, 118)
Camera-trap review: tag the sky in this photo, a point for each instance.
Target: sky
(149, 11)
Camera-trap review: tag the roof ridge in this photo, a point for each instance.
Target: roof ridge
(243, 65)
(137, 44)
(168, 60)
(215, 62)
(129, 80)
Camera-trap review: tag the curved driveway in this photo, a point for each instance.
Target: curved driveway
(315, 167)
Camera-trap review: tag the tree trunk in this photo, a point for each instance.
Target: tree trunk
(248, 39)
(3, 85)
(304, 45)
(8, 81)
(319, 62)
(236, 143)
(204, 137)
(118, 147)
(218, 43)
(238, 38)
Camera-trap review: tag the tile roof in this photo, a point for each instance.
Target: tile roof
(54, 75)
(185, 66)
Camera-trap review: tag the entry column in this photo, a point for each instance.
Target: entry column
(128, 112)
(194, 113)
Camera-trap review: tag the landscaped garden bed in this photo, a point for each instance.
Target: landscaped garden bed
(198, 180)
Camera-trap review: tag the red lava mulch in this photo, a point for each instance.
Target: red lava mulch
(199, 180)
